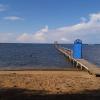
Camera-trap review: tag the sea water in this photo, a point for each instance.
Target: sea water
(18, 55)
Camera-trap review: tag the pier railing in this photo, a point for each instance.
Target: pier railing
(80, 64)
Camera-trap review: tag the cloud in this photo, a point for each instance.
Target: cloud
(88, 29)
(64, 39)
(38, 37)
(24, 38)
(7, 37)
(13, 18)
(3, 7)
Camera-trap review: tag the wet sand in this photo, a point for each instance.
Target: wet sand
(48, 85)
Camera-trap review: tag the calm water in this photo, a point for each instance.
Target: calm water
(41, 55)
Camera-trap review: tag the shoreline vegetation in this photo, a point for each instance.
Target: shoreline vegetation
(48, 85)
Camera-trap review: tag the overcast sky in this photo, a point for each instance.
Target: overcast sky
(46, 21)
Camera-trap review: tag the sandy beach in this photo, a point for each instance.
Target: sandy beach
(17, 84)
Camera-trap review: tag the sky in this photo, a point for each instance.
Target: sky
(46, 21)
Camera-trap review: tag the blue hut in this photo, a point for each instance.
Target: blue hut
(77, 49)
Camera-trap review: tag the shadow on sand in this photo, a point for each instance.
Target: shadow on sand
(23, 94)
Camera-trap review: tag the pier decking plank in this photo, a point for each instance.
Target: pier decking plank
(91, 68)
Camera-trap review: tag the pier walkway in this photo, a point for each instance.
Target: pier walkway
(80, 64)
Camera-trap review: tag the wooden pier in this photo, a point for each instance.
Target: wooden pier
(80, 64)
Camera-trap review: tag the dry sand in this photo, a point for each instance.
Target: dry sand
(47, 82)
